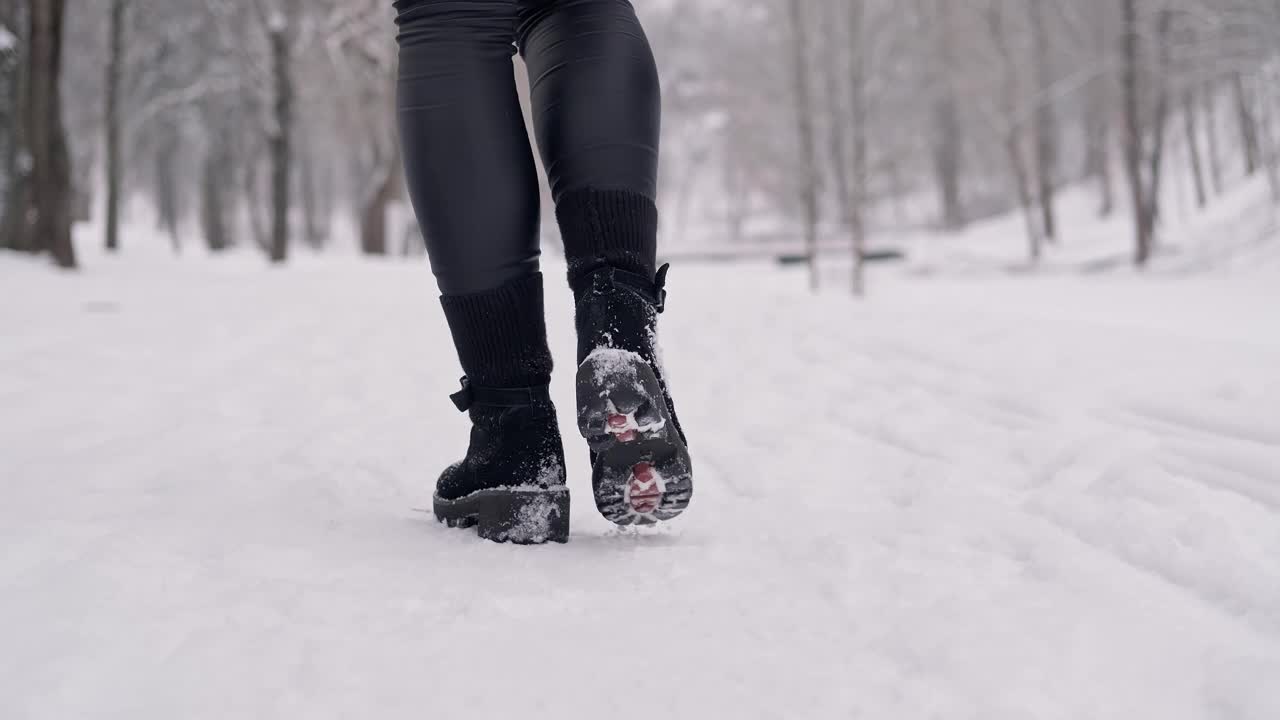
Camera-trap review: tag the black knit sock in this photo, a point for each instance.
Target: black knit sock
(501, 334)
(608, 227)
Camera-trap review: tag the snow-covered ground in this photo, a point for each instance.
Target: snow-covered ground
(991, 496)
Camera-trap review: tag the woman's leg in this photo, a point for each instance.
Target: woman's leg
(474, 187)
(597, 111)
(596, 101)
(597, 114)
(467, 157)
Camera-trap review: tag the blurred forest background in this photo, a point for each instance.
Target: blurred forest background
(815, 123)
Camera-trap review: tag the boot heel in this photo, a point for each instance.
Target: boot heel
(526, 517)
(522, 517)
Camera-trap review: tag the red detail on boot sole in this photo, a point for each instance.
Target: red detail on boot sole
(617, 427)
(644, 492)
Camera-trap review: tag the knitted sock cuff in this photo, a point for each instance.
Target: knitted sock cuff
(608, 227)
(501, 334)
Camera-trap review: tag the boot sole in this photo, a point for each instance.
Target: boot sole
(642, 473)
(521, 517)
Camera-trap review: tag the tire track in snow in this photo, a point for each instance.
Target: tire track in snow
(1260, 616)
(1204, 424)
(1226, 463)
(1122, 502)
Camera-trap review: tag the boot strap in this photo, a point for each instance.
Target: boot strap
(471, 395)
(653, 291)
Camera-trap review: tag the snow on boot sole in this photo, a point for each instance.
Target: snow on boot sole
(523, 517)
(642, 472)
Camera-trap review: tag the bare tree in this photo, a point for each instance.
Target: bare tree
(38, 215)
(12, 51)
(837, 45)
(1045, 123)
(166, 187)
(1210, 99)
(1247, 123)
(1269, 104)
(1164, 39)
(1133, 141)
(847, 53)
(1191, 128)
(948, 133)
(1144, 182)
(216, 175)
(366, 63)
(1099, 104)
(806, 136)
(859, 112)
(112, 120)
(1013, 130)
(280, 135)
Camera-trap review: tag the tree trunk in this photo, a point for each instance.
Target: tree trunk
(858, 112)
(314, 208)
(9, 99)
(111, 121)
(386, 176)
(1248, 124)
(897, 190)
(1164, 39)
(808, 186)
(1046, 123)
(1097, 132)
(373, 216)
(1190, 127)
(1106, 176)
(39, 219)
(1013, 133)
(315, 188)
(167, 187)
(837, 125)
(1211, 135)
(1270, 145)
(213, 199)
(946, 160)
(12, 118)
(1023, 182)
(324, 206)
(1098, 124)
(1133, 144)
(737, 196)
(948, 143)
(258, 224)
(280, 141)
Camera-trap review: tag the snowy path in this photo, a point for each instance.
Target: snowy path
(1009, 498)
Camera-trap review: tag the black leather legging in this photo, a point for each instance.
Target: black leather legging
(470, 169)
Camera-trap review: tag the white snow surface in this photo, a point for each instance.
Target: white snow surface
(1033, 496)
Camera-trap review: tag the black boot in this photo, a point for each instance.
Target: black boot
(641, 471)
(511, 484)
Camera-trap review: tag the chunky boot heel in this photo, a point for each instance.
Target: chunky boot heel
(522, 517)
